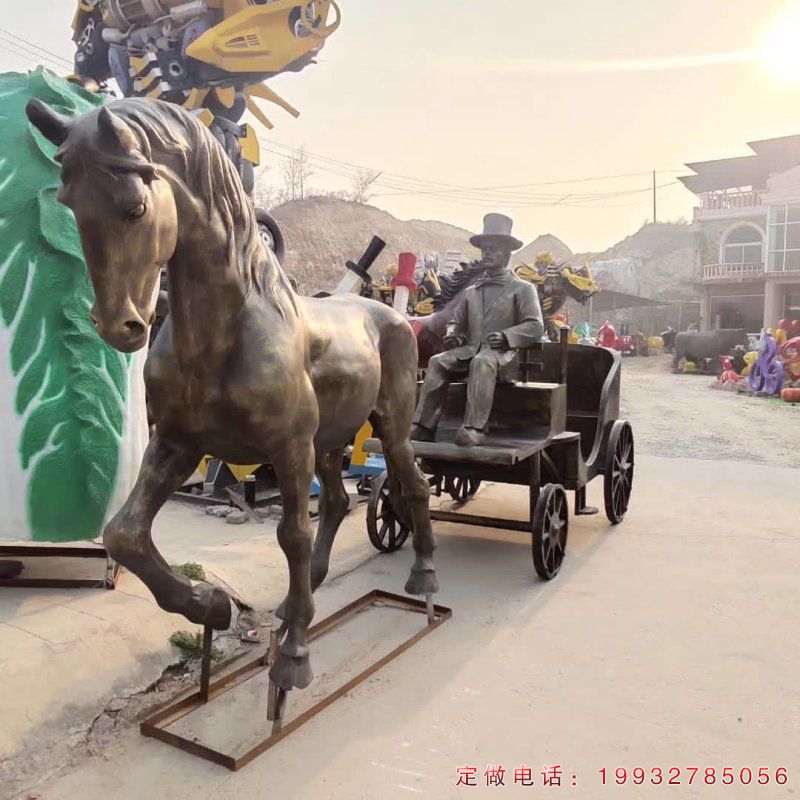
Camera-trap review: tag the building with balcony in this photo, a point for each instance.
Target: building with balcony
(749, 224)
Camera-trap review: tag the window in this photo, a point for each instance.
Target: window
(744, 245)
(784, 238)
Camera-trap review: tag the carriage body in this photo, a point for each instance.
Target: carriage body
(554, 430)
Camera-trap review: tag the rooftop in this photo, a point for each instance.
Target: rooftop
(771, 156)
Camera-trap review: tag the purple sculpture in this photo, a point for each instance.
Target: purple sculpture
(766, 376)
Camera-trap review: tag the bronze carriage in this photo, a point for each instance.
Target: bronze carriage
(554, 430)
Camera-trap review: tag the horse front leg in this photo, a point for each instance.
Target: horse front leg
(128, 539)
(295, 535)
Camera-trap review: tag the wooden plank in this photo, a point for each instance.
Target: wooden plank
(497, 451)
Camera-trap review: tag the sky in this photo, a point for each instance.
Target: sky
(449, 98)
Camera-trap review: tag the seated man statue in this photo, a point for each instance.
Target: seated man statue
(497, 316)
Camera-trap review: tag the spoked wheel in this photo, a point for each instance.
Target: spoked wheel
(550, 529)
(618, 472)
(462, 489)
(385, 530)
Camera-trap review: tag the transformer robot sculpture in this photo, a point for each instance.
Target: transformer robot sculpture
(209, 56)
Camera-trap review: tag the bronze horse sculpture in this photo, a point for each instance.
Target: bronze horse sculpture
(244, 368)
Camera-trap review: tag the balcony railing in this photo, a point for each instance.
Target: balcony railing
(733, 273)
(724, 201)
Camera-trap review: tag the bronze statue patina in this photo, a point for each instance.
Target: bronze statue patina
(496, 317)
(243, 368)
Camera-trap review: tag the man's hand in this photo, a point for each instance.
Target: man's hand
(497, 341)
(451, 341)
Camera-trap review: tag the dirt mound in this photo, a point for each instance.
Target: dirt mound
(322, 233)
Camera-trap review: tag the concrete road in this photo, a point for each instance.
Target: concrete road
(670, 641)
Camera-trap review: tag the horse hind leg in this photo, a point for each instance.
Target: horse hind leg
(333, 507)
(391, 420)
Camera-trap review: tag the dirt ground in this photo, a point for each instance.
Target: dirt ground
(679, 416)
(668, 641)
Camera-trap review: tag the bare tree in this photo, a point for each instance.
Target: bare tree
(361, 185)
(265, 194)
(296, 170)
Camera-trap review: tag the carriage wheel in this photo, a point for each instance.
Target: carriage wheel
(618, 472)
(271, 233)
(462, 489)
(385, 530)
(550, 529)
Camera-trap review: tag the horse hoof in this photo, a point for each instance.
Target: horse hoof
(422, 582)
(210, 606)
(291, 673)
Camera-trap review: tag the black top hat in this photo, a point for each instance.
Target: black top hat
(497, 228)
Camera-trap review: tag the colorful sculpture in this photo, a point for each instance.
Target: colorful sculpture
(73, 424)
(556, 283)
(607, 336)
(728, 374)
(766, 375)
(790, 356)
(403, 282)
(209, 57)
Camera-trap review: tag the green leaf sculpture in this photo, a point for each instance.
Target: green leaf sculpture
(63, 392)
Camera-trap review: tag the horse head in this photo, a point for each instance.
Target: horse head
(125, 212)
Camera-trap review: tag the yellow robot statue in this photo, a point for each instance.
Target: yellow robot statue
(210, 56)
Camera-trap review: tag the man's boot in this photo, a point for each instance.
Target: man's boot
(469, 437)
(419, 433)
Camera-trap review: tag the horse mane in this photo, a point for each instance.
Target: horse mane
(453, 285)
(210, 174)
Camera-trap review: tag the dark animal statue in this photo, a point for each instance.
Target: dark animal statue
(244, 368)
(698, 347)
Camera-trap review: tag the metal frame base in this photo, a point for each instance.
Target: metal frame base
(155, 726)
(534, 467)
(16, 551)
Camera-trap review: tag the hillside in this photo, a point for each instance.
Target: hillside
(658, 261)
(547, 241)
(322, 233)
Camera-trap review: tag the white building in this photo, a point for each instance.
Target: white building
(749, 221)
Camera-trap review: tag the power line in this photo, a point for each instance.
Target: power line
(27, 42)
(18, 50)
(434, 186)
(476, 197)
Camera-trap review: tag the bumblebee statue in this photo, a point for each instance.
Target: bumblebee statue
(210, 56)
(556, 283)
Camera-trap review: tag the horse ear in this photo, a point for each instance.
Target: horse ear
(116, 130)
(52, 125)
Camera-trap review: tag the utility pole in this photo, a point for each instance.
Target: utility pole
(655, 200)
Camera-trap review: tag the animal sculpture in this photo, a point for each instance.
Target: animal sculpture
(698, 347)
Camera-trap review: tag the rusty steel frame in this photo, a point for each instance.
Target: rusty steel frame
(155, 726)
(17, 551)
